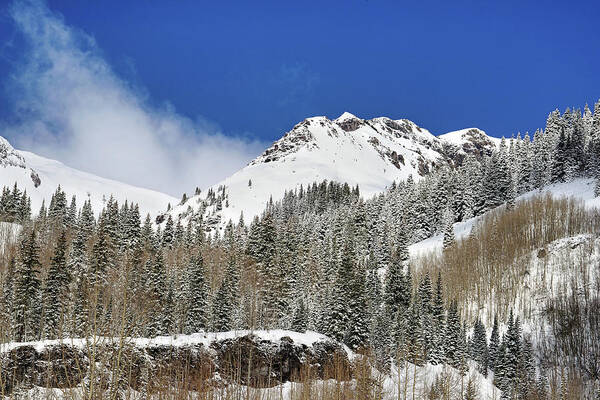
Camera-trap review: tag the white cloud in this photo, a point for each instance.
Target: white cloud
(73, 107)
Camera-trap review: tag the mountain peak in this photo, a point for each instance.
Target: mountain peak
(348, 122)
(345, 116)
(369, 153)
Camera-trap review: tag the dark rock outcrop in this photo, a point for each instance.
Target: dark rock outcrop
(247, 360)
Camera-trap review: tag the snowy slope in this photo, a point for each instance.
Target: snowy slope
(41, 176)
(469, 136)
(581, 189)
(369, 153)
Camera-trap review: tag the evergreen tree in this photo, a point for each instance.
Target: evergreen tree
(300, 320)
(156, 290)
(397, 292)
(7, 299)
(338, 315)
(197, 297)
(437, 353)
(453, 345)
(414, 334)
(559, 159)
(56, 291)
(494, 345)
(357, 329)
(448, 230)
(479, 348)
(27, 291)
(168, 237)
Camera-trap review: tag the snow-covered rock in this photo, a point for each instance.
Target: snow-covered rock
(41, 176)
(206, 360)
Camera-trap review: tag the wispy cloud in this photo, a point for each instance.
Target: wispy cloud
(72, 106)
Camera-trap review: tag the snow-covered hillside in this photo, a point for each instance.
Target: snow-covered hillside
(41, 176)
(369, 153)
(581, 189)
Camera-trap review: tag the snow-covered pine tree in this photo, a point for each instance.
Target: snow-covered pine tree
(397, 295)
(27, 291)
(437, 353)
(168, 236)
(71, 217)
(479, 348)
(453, 340)
(300, 318)
(156, 291)
(7, 298)
(56, 291)
(494, 345)
(222, 309)
(357, 328)
(338, 314)
(448, 230)
(414, 334)
(196, 317)
(559, 158)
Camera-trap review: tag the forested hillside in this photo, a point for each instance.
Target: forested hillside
(327, 260)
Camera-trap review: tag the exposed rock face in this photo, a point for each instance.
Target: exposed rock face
(247, 360)
(9, 156)
(265, 364)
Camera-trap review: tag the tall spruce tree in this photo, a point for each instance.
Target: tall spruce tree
(27, 302)
(197, 296)
(56, 291)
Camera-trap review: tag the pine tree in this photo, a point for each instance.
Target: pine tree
(87, 222)
(559, 159)
(270, 272)
(78, 265)
(27, 291)
(338, 314)
(168, 237)
(437, 353)
(453, 338)
(7, 299)
(448, 231)
(493, 354)
(156, 289)
(479, 347)
(414, 334)
(397, 294)
(56, 291)
(197, 298)
(300, 320)
(71, 217)
(357, 329)
(222, 309)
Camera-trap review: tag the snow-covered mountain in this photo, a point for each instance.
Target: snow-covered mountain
(369, 153)
(41, 176)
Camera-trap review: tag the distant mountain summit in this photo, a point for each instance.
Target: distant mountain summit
(41, 176)
(369, 153)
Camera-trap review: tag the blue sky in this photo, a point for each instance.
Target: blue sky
(251, 70)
